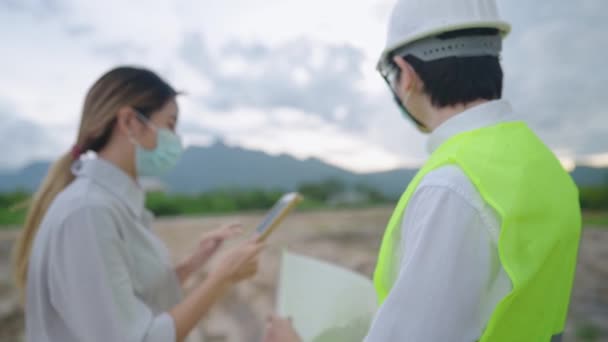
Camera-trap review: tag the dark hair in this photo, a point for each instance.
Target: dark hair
(460, 80)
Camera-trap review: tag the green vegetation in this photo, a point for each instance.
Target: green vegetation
(12, 209)
(334, 192)
(328, 194)
(596, 219)
(331, 193)
(224, 201)
(595, 199)
(588, 333)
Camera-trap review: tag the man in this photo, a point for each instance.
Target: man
(482, 245)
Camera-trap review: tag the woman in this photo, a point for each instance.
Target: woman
(87, 262)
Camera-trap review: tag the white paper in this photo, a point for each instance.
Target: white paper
(327, 303)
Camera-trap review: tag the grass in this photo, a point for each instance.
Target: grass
(588, 333)
(12, 214)
(11, 219)
(596, 219)
(12, 208)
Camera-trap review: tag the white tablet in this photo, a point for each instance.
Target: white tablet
(277, 214)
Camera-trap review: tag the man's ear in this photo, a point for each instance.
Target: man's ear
(408, 77)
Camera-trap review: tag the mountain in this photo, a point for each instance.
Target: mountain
(390, 183)
(590, 176)
(26, 179)
(221, 166)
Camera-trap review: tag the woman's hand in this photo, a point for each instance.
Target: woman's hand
(239, 263)
(280, 330)
(212, 241)
(209, 244)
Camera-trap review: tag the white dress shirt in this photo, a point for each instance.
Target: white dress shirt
(97, 273)
(450, 278)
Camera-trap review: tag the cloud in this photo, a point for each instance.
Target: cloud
(556, 75)
(555, 87)
(303, 135)
(39, 7)
(322, 80)
(260, 76)
(289, 57)
(22, 139)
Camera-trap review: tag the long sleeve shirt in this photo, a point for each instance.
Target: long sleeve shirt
(97, 272)
(450, 277)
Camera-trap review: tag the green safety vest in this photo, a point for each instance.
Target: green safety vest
(538, 205)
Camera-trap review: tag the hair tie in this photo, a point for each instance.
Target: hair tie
(76, 152)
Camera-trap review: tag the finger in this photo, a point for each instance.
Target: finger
(255, 237)
(247, 252)
(257, 249)
(224, 234)
(210, 236)
(254, 246)
(211, 243)
(245, 274)
(252, 253)
(251, 268)
(232, 226)
(227, 235)
(276, 317)
(232, 229)
(268, 327)
(255, 267)
(251, 273)
(257, 244)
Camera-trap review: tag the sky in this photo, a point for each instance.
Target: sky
(286, 76)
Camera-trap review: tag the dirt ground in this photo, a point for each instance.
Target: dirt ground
(346, 237)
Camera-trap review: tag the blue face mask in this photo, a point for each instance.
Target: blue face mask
(158, 161)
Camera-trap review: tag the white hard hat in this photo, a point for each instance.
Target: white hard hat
(412, 20)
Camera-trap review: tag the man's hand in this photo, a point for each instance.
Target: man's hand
(280, 330)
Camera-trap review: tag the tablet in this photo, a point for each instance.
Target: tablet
(277, 214)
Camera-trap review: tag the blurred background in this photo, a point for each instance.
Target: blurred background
(280, 96)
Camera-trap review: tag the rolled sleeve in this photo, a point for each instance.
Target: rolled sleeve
(90, 284)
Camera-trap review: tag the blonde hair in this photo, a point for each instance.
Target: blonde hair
(123, 86)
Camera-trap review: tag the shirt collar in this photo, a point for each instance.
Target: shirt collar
(113, 179)
(484, 115)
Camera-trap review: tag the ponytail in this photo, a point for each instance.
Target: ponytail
(57, 179)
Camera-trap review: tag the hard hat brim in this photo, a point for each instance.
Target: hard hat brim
(503, 27)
